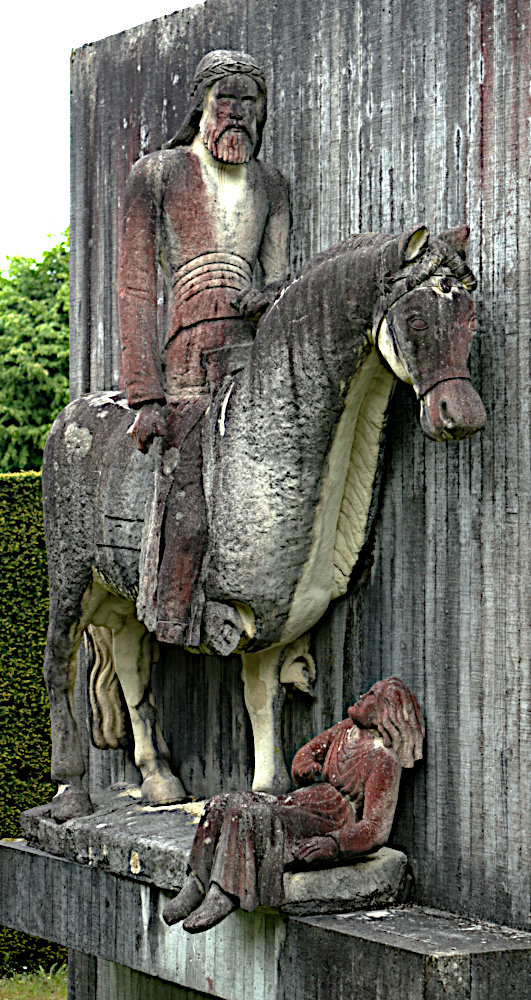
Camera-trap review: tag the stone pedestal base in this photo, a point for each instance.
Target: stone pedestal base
(410, 952)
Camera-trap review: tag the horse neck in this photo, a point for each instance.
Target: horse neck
(324, 315)
(321, 321)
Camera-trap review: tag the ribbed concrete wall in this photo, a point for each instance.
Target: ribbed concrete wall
(380, 115)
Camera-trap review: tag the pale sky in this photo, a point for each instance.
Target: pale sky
(35, 45)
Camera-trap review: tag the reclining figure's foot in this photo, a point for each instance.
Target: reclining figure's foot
(215, 907)
(186, 900)
(69, 802)
(222, 627)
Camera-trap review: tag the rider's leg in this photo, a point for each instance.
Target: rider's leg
(183, 543)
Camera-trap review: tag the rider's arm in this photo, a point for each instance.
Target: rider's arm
(137, 284)
(273, 253)
(274, 248)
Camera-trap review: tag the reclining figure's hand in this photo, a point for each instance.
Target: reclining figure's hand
(150, 423)
(308, 772)
(316, 849)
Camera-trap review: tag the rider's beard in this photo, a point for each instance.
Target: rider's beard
(234, 145)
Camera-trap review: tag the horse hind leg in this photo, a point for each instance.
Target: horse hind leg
(132, 647)
(60, 668)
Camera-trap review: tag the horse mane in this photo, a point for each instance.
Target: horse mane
(438, 253)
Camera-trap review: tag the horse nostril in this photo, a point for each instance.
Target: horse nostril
(447, 419)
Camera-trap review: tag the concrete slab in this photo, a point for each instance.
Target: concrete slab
(412, 952)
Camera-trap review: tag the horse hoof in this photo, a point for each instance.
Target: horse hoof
(70, 802)
(162, 790)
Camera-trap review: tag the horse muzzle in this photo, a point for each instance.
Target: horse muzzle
(452, 410)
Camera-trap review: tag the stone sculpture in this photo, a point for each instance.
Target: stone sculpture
(345, 805)
(289, 425)
(291, 455)
(208, 211)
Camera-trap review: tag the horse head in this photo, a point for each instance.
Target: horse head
(423, 327)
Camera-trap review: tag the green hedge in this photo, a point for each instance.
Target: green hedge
(24, 718)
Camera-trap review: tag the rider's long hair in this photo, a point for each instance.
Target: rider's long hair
(400, 721)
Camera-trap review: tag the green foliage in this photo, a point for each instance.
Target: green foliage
(33, 354)
(24, 717)
(40, 985)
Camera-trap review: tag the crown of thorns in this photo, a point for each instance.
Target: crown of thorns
(224, 63)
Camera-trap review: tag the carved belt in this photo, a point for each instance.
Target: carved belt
(217, 269)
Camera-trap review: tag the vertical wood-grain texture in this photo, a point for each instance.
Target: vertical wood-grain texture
(379, 115)
(82, 976)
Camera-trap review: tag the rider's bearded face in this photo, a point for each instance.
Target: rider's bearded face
(228, 123)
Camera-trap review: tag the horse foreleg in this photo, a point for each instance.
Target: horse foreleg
(132, 654)
(264, 699)
(68, 767)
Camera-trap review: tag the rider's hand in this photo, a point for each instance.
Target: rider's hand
(150, 423)
(316, 849)
(252, 303)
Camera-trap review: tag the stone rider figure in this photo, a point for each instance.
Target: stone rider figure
(207, 210)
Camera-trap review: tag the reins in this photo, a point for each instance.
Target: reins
(403, 286)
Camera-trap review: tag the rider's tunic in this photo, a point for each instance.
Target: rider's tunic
(207, 224)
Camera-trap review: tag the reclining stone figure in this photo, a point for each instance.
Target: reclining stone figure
(345, 805)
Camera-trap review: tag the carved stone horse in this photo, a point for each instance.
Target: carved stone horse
(292, 452)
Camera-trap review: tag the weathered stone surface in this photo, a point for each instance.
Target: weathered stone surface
(118, 981)
(82, 976)
(122, 835)
(126, 838)
(414, 953)
(380, 879)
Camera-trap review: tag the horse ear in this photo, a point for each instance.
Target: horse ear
(456, 238)
(412, 243)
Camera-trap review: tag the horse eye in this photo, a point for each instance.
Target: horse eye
(417, 323)
(446, 285)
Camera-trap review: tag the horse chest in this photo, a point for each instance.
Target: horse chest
(343, 511)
